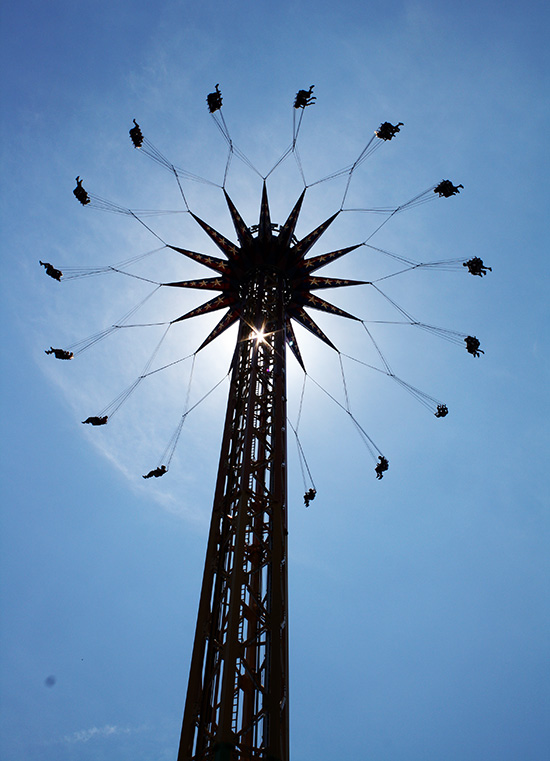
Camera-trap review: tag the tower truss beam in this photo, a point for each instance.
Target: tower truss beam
(237, 700)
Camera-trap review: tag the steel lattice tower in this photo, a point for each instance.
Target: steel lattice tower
(237, 706)
(237, 695)
(237, 701)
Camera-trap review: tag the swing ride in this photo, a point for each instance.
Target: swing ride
(266, 283)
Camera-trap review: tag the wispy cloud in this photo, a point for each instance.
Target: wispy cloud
(85, 735)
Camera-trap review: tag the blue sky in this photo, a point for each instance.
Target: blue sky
(419, 604)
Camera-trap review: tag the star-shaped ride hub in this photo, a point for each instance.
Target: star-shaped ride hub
(270, 258)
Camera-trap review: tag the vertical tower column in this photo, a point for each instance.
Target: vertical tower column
(237, 699)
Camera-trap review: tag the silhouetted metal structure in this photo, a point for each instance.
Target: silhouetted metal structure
(237, 705)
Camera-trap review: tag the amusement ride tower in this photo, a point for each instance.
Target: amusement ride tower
(237, 699)
(237, 705)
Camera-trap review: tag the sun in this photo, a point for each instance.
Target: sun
(259, 335)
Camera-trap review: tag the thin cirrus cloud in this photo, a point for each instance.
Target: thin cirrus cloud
(85, 735)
